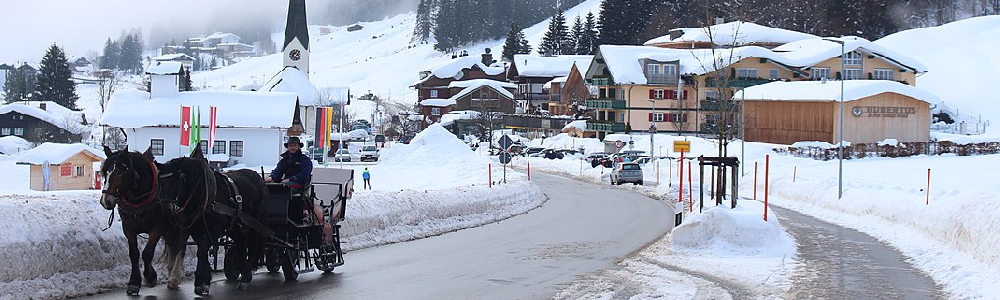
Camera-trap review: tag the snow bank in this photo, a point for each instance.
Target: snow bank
(723, 232)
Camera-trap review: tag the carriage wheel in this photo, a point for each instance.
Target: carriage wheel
(271, 261)
(289, 258)
(230, 265)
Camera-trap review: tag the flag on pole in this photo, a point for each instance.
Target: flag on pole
(211, 127)
(196, 130)
(329, 127)
(185, 125)
(321, 130)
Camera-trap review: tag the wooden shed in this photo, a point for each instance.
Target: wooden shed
(874, 110)
(70, 166)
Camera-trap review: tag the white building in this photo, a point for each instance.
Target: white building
(251, 126)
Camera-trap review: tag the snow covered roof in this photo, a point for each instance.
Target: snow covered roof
(812, 51)
(164, 68)
(235, 109)
(176, 56)
(548, 85)
(221, 35)
(438, 102)
(830, 91)
(292, 79)
(474, 84)
(625, 62)
(734, 34)
(55, 114)
(549, 66)
(450, 117)
(13, 144)
(450, 68)
(56, 153)
(580, 124)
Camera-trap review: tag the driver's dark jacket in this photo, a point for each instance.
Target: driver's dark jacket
(296, 167)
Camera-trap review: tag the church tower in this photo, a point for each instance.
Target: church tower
(296, 46)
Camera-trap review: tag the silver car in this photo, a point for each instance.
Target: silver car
(626, 172)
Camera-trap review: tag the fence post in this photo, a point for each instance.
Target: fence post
(795, 170)
(928, 200)
(754, 181)
(767, 168)
(489, 173)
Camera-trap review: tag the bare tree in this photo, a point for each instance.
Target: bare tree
(106, 87)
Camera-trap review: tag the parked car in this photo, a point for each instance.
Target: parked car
(626, 172)
(369, 153)
(643, 160)
(598, 158)
(342, 155)
(531, 150)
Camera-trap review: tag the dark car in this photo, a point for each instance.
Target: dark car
(531, 150)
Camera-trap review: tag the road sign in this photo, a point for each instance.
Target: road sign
(619, 144)
(505, 142)
(504, 158)
(682, 146)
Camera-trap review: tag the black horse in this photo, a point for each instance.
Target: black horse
(130, 183)
(208, 205)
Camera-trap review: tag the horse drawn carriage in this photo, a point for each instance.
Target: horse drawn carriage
(271, 225)
(305, 225)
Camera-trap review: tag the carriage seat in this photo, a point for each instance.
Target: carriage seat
(284, 207)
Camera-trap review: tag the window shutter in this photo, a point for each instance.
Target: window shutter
(838, 75)
(670, 94)
(684, 95)
(652, 94)
(650, 117)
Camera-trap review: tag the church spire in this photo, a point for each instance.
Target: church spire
(296, 46)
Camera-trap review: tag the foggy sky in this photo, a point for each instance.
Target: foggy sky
(29, 27)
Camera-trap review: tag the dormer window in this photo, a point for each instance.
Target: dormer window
(658, 73)
(852, 58)
(434, 93)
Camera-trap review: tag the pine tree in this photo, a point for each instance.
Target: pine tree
(590, 34)
(578, 37)
(512, 45)
(422, 30)
(130, 59)
(556, 40)
(109, 59)
(15, 87)
(445, 30)
(54, 79)
(525, 46)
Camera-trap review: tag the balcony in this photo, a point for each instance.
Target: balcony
(738, 82)
(602, 81)
(606, 104)
(606, 127)
(661, 79)
(716, 105)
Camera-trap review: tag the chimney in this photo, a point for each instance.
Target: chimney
(41, 106)
(487, 57)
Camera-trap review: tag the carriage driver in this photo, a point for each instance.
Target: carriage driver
(294, 169)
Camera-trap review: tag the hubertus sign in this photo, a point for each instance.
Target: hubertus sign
(883, 111)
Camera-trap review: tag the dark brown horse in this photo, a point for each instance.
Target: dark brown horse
(208, 205)
(130, 184)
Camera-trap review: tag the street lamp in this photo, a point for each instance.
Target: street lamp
(840, 144)
(652, 128)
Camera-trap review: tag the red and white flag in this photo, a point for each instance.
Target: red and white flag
(211, 125)
(185, 125)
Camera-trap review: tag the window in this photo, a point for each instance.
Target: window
(5, 131)
(746, 73)
(219, 147)
(236, 148)
(204, 147)
(852, 58)
(851, 74)
(656, 94)
(677, 117)
(820, 73)
(657, 117)
(653, 70)
(435, 111)
(711, 95)
(884, 74)
(156, 146)
(621, 95)
(434, 93)
(18, 131)
(79, 171)
(772, 74)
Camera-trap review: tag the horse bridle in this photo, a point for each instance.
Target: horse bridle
(174, 208)
(123, 202)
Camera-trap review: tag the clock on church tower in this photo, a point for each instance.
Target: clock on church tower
(295, 54)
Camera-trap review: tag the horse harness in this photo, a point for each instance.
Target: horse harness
(238, 212)
(137, 208)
